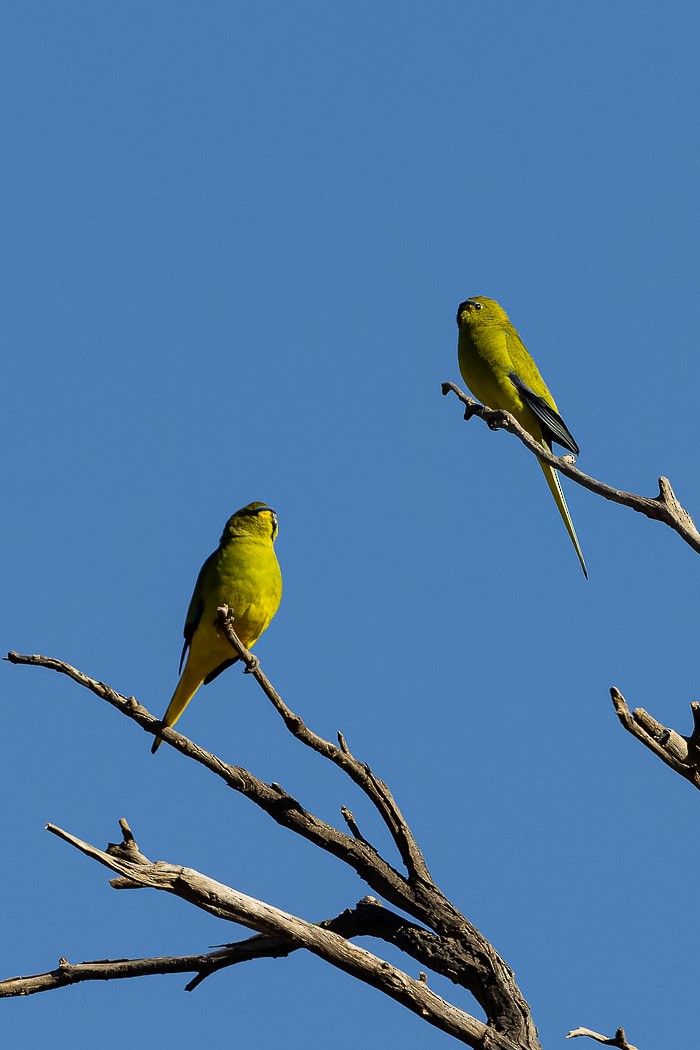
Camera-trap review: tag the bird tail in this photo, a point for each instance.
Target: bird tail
(555, 486)
(185, 690)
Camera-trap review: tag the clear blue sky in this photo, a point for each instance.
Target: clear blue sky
(234, 239)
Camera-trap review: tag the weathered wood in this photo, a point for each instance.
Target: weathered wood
(441, 939)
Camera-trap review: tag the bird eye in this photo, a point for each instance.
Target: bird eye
(477, 306)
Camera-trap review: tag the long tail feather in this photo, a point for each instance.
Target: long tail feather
(185, 690)
(555, 487)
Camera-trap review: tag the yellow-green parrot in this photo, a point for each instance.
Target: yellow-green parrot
(243, 573)
(500, 372)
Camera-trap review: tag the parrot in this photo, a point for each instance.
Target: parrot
(243, 573)
(500, 372)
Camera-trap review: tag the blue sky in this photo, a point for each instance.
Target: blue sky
(234, 239)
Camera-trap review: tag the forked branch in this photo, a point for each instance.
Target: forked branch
(375, 789)
(233, 906)
(681, 753)
(368, 918)
(441, 938)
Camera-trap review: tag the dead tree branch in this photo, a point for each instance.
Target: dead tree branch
(665, 507)
(233, 906)
(441, 938)
(377, 791)
(681, 753)
(619, 1040)
(368, 918)
(272, 798)
(67, 973)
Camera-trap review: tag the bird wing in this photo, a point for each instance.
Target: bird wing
(196, 606)
(531, 387)
(554, 426)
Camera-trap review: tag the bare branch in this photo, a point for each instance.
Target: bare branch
(233, 906)
(681, 753)
(665, 507)
(103, 970)
(274, 800)
(617, 1040)
(459, 951)
(375, 789)
(128, 705)
(349, 819)
(368, 918)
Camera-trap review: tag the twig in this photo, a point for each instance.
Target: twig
(665, 507)
(349, 819)
(617, 1040)
(681, 753)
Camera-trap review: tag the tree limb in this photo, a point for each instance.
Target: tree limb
(681, 753)
(367, 918)
(375, 789)
(233, 906)
(103, 970)
(273, 799)
(459, 950)
(482, 969)
(665, 507)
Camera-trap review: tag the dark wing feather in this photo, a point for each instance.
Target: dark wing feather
(217, 670)
(554, 426)
(196, 608)
(188, 632)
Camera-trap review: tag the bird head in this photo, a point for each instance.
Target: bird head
(479, 311)
(255, 519)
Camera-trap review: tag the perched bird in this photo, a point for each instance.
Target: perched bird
(243, 573)
(500, 372)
